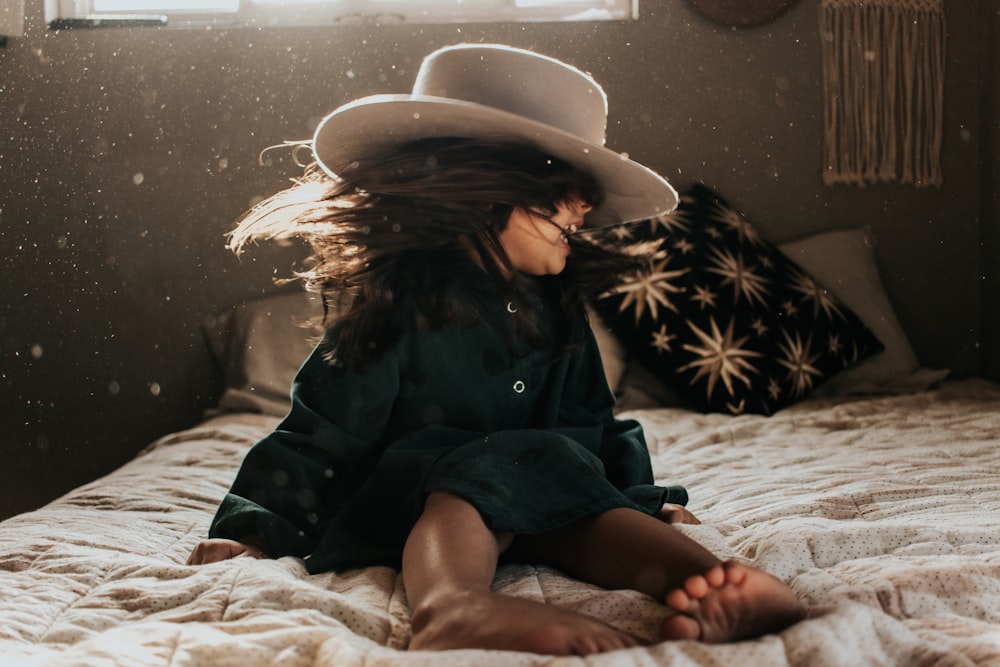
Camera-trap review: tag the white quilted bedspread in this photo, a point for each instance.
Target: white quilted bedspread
(883, 514)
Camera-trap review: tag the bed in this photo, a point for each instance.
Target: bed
(875, 496)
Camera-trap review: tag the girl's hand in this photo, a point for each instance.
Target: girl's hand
(671, 513)
(215, 550)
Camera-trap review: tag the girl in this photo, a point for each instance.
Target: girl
(456, 413)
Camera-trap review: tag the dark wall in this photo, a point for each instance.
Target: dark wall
(990, 188)
(125, 154)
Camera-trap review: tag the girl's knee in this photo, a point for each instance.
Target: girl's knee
(456, 509)
(443, 499)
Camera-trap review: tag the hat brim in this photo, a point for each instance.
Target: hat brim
(357, 129)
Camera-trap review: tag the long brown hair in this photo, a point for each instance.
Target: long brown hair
(391, 228)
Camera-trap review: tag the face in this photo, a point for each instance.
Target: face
(539, 246)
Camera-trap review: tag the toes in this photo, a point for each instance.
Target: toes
(733, 573)
(716, 577)
(697, 586)
(601, 643)
(586, 646)
(615, 643)
(678, 600)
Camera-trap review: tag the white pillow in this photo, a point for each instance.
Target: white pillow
(843, 261)
(613, 354)
(260, 345)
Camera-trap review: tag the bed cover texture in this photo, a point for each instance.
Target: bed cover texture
(882, 513)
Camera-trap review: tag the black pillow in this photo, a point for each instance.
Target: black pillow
(724, 318)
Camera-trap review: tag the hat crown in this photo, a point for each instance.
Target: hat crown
(519, 82)
(495, 92)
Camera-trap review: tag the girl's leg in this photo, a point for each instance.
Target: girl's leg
(625, 548)
(449, 563)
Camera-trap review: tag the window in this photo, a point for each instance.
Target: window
(181, 13)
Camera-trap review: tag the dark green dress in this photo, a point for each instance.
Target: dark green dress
(529, 440)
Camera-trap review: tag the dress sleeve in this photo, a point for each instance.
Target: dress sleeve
(296, 477)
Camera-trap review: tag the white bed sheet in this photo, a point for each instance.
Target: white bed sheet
(882, 513)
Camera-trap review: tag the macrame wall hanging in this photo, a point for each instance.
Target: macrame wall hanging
(883, 90)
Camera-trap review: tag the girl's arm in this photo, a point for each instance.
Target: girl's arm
(294, 479)
(588, 405)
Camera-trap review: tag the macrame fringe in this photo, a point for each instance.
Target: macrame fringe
(883, 90)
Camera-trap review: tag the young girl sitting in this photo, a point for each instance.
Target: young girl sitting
(456, 413)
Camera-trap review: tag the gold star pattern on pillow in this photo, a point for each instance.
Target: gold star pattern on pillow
(726, 319)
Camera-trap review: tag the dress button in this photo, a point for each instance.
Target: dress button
(511, 308)
(519, 387)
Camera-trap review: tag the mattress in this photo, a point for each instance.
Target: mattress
(882, 513)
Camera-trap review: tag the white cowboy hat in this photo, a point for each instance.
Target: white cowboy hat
(491, 91)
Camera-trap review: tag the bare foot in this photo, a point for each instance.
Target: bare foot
(495, 621)
(731, 602)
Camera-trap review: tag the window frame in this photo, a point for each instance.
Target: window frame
(288, 13)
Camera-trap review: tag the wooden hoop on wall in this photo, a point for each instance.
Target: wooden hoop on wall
(741, 13)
